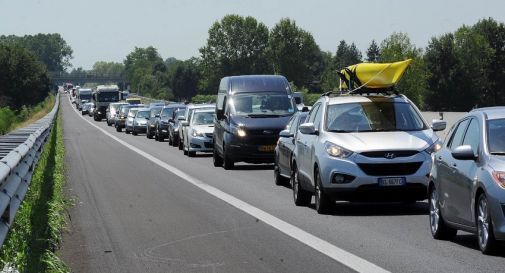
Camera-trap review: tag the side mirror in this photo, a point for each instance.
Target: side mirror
(438, 125)
(285, 133)
(220, 114)
(463, 152)
(307, 129)
(184, 123)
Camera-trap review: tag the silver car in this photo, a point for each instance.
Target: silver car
(467, 182)
(129, 119)
(363, 148)
(198, 136)
(140, 121)
(187, 116)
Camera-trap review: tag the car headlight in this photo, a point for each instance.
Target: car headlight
(239, 131)
(195, 133)
(336, 151)
(499, 178)
(435, 147)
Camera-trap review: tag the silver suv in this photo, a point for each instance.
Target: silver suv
(363, 148)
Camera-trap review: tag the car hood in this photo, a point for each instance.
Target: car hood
(382, 141)
(277, 123)
(204, 128)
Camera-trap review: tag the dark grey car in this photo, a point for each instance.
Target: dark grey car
(467, 183)
(151, 122)
(285, 147)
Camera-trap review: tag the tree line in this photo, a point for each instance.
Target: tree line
(457, 71)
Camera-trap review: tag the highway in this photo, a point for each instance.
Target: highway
(142, 206)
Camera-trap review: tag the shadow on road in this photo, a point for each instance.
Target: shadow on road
(470, 241)
(378, 209)
(260, 167)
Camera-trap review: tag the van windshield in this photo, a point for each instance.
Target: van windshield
(262, 105)
(373, 117)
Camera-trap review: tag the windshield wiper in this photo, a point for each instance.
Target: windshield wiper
(339, 131)
(498, 153)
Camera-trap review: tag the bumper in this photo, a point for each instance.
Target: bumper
(140, 128)
(200, 144)
(496, 203)
(360, 186)
(249, 153)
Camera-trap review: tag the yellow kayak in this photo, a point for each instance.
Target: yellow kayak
(373, 75)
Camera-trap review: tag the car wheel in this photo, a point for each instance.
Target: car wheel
(278, 178)
(324, 203)
(118, 129)
(216, 159)
(184, 150)
(170, 140)
(175, 142)
(300, 196)
(191, 154)
(181, 144)
(156, 136)
(228, 163)
(439, 229)
(148, 133)
(485, 232)
(134, 131)
(127, 131)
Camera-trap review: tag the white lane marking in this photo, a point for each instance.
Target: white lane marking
(346, 258)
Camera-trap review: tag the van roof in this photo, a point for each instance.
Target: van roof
(258, 83)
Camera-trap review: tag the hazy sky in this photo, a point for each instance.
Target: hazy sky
(108, 30)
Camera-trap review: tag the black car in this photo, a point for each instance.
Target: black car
(162, 123)
(250, 112)
(173, 126)
(151, 122)
(285, 147)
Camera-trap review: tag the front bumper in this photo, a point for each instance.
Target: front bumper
(200, 144)
(364, 186)
(496, 202)
(140, 128)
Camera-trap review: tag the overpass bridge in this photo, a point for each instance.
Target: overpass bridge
(59, 78)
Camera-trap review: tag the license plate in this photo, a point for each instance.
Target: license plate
(266, 148)
(392, 181)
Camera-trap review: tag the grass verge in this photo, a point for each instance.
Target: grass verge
(13, 119)
(36, 231)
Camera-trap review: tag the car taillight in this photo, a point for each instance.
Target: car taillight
(499, 178)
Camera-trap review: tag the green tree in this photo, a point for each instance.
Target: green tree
(23, 79)
(347, 55)
(51, 49)
(185, 78)
(414, 83)
(147, 73)
(373, 52)
(107, 68)
(236, 45)
(294, 53)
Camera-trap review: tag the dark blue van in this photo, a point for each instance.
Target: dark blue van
(250, 113)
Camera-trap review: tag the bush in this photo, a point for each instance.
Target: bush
(7, 119)
(204, 99)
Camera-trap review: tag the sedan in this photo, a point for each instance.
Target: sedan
(140, 121)
(198, 136)
(467, 181)
(86, 107)
(283, 153)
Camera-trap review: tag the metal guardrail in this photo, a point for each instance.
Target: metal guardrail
(19, 153)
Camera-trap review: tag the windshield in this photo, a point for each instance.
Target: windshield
(496, 136)
(261, 104)
(124, 110)
(85, 96)
(132, 112)
(373, 117)
(108, 96)
(114, 107)
(142, 114)
(167, 112)
(201, 118)
(155, 111)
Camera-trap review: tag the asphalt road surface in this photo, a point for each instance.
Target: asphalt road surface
(142, 206)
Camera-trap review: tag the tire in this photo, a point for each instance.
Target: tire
(485, 231)
(180, 146)
(216, 159)
(134, 131)
(127, 131)
(438, 227)
(170, 140)
(301, 197)
(324, 203)
(156, 136)
(96, 118)
(228, 163)
(191, 154)
(279, 180)
(118, 129)
(148, 133)
(108, 123)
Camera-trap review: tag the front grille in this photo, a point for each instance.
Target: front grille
(209, 135)
(384, 153)
(390, 169)
(263, 132)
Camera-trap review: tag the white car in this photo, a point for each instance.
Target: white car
(198, 135)
(187, 116)
(129, 119)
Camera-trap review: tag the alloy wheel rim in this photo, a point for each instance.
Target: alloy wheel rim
(434, 211)
(318, 193)
(295, 184)
(483, 222)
